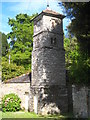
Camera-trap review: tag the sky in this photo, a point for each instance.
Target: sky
(9, 9)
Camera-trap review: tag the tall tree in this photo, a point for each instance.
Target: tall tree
(21, 39)
(78, 66)
(71, 51)
(80, 22)
(80, 28)
(22, 28)
(5, 45)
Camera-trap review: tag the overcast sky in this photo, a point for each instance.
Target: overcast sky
(10, 8)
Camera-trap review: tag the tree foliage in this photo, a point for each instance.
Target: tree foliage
(5, 45)
(22, 28)
(77, 48)
(21, 54)
(78, 59)
(80, 23)
(21, 39)
(77, 63)
(21, 45)
(71, 51)
(11, 70)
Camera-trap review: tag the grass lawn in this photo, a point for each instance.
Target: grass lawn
(18, 115)
(28, 115)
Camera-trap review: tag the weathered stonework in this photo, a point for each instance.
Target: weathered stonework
(48, 67)
(48, 84)
(20, 86)
(81, 101)
(51, 99)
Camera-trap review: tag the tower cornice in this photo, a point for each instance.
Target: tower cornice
(49, 12)
(45, 31)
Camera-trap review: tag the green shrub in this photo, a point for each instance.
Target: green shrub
(11, 70)
(11, 103)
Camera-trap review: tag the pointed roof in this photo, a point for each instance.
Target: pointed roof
(49, 12)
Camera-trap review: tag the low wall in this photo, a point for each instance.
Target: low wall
(20, 86)
(81, 101)
(20, 89)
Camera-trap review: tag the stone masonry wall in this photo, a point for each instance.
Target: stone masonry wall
(51, 99)
(17, 88)
(20, 86)
(48, 71)
(80, 101)
(48, 85)
(48, 67)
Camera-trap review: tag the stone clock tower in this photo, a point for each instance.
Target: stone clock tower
(48, 86)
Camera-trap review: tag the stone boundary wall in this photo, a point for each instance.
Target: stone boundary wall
(81, 101)
(20, 88)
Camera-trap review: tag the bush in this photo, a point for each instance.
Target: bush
(11, 70)
(11, 103)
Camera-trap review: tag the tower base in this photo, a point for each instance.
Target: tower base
(49, 100)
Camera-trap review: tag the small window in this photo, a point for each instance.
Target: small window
(55, 41)
(51, 40)
(52, 24)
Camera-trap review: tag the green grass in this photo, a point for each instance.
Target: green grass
(22, 114)
(29, 115)
(18, 115)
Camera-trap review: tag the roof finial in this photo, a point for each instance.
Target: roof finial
(47, 4)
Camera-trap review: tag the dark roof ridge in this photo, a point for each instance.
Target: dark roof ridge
(19, 79)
